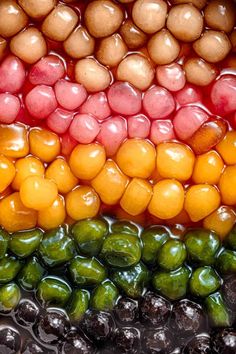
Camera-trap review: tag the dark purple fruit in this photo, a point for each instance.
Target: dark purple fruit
(99, 326)
(224, 341)
(127, 340)
(10, 341)
(154, 309)
(26, 313)
(31, 347)
(198, 345)
(52, 326)
(126, 310)
(158, 341)
(187, 318)
(229, 291)
(76, 344)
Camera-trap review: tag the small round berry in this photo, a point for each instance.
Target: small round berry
(126, 310)
(26, 313)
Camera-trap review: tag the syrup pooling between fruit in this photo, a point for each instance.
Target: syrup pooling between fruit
(123, 108)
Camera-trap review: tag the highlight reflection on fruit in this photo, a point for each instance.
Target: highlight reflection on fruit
(118, 176)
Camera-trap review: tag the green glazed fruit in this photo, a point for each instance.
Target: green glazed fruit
(53, 291)
(217, 310)
(9, 267)
(153, 238)
(31, 274)
(87, 271)
(9, 297)
(172, 284)
(121, 250)
(204, 281)
(230, 240)
(4, 241)
(78, 305)
(124, 227)
(89, 235)
(133, 280)
(104, 297)
(202, 246)
(172, 255)
(24, 243)
(226, 262)
(56, 247)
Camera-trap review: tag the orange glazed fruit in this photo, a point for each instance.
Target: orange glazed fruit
(227, 185)
(44, 144)
(221, 220)
(227, 148)
(25, 167)
(60, 172)
(13, 140)
(167, 200)
(201, 200)
(175, 160)
(14, 216)
(7, 172)
(54, 215)
(208, 168)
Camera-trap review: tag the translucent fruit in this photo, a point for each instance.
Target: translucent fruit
(70, 95)
(54, 215)
(60, 172)
(59, 120)
(226, 185)
(44, 144)
(208, 168)
(97, 105)
(158, 102)
(188, 94)
(13, 140)
(223, 95)
(161, 130)
(171, 76)
(7, 172)
(84, 128)
(138, 126)
(47, 71)
(9, 108)
(221, 221)
(12, 74)
(227, 148)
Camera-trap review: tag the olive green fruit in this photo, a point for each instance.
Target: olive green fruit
(226, 261)
(204, 281)
(172, 284)
(153, 238)
(24, 243)
(78, 304)
(124, 227)
(4, 241)
(86, 271)
(56, 247)
(9, 267)
(230, 239)
(202, 246)
(121, 250)
(104, 296)
(30, 274)
(133, 280)
(10, 296)
(53, 291)
(217, 311)
(89, 235)
(172, 255)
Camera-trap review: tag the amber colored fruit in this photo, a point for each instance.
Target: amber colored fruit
(37, 8)
(175, 160)
(208, 135)
(136, 158)
(136, 196)
(37, 192)
(7, 172)
(86, 161)
(44, 144)
(79, 44)
(13, 140)
(59, 171)
(201, 200)
(13, 18)
(110, 183)
(167, 200)
(25, 167)
(220, 15)
(14, 216)
(227, 148)
(83, 202)
(227, 185)
(208, 168)
(132, 35)
(54, 215)
(221, 221)
(3, 46)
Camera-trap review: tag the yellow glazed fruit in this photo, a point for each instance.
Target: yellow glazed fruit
(44, 144)
(86, 161)
(7, 172)
(227, 185)
(136, 158)
(110, 183)
(167, 200)
(14, 216)
(175, 160)
(83, 202)
(227, 148)
(37, 192)
(13, 140)
(221, 221)
(136, 196)
(25, 167)
(60, 172)
(201, 200)
(54, 215)
(208, 168)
